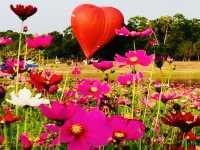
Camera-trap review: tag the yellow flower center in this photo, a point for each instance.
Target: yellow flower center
(76, 129)
(119, 135)
(133, 59)
(94, 89)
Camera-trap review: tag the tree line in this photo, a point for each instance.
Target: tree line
(177, 36)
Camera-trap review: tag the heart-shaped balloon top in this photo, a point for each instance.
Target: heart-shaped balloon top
(95, 26)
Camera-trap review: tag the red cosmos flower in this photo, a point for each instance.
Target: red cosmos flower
(22, 11)
(183, 120)
(8, 117)
(45, 81)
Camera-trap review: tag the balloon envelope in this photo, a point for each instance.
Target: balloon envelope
(95, 26)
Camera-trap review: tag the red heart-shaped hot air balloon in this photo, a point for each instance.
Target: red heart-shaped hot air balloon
(95, 26)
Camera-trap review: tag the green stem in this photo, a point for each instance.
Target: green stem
(64, 87)
(133, 98)
(6, 137)
(17, 79)
(149, 87)
(25, 120)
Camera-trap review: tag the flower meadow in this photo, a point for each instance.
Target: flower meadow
(42, 109)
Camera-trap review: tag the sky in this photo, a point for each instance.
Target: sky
(55, 14)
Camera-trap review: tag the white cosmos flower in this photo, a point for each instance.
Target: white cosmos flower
(25, 98)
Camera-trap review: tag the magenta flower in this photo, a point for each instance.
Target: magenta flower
(80, 132)
(122, 32)
(92, 87)
(132, 58)
(26, 143)
(39, 41)
(125, 32)
(58, 111)
(124, 129)
(103, 65)
(130, 78)
(76, 71)
(4, 41)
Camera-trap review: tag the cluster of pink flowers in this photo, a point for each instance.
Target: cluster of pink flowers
(80, 127)
(125, 32)
(39, 41)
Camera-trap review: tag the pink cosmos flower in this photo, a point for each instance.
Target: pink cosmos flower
(85, 130)
(92, 87)
(26, 143)
(132, 58)
(58, 111)
(147, 32)
(103, 65)
(125, 32)
(135, 34)
(165, 97)
(130, 78)
(4, 41)
(122, 32)
(124, 129)
(76, 71)
(39, 41)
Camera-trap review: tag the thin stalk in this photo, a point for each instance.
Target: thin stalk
(26, 51)
(17, 80)
(133, 99)
(149, 87)
(6, 137)
(64, 87)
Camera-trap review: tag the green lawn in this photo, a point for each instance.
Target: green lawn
(183, 71)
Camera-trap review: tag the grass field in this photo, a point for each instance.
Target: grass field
(184, 71)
